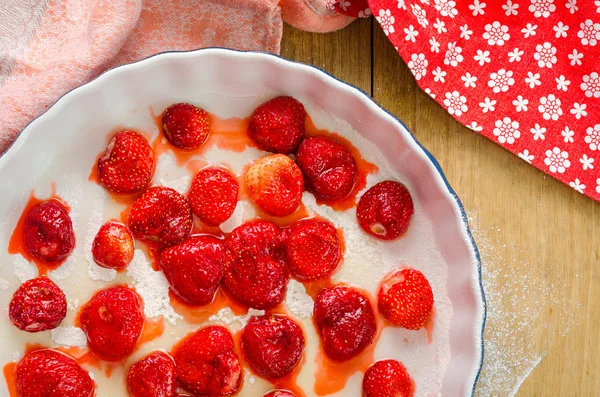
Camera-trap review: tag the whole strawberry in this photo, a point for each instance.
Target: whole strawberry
(345, 320)
(278, 125)
(213, 195)
(161, 215)
(272, 345)
(385, 210)
(49, 373)
(113, 246)
(48, 232)
(328, 166)
(37, 305)
(387, 378)
(128, 164)
(154, 375)
(112, 321)
(275, 184)
(312, 249)
(405, 298)
(207, 364)
(186, 126)
(194, 268)
(279, 393)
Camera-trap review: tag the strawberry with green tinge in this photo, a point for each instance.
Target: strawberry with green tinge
(385, 210)
(161, 215)
(387, 378)
(275, 184)
(48, 232)
(329, 168)
(207, 364)
(194, 268)
(153, 376)
(128, 164)
(113, 246)
(278, 125)
(213, 195)
(37, 305)
(312, 249)
(405, 298)
(186, 126)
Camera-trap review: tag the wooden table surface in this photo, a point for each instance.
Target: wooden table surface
(539, 239)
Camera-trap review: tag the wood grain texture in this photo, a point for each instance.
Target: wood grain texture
(528, 226)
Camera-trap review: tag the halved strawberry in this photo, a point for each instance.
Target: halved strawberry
(312, 249)
(48, 231)
(278, 125)
(345, 320)
(49, 373)
(127, 166)
(213, 195)
(37, 305)
(206, 363)
(275, 184)
(161, 215)
(194, 268)
(280, 393)
(272, 345)
(153, 376)
(186, 126)
(405, 298)
(329, 167)
(112, 321)
(387, 378)
(113, 246)
(385, 210)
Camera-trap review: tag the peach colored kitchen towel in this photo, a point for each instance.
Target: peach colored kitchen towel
(48, 47)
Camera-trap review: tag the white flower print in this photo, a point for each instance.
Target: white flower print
(501, 80)
(418, 65)
(520, 104)
(575, 58)
(456, 103)
(438, 75)
(538, 132)
(477, 8)
(562, 83)
(465, 33)
(515, 55)
(401, 4)
(446, 8)
(507, 130)
(431, 94)
(571, 6)
(496, 33)
(344, 4)
(557, 160)
(568, 134)
(598, 187)
(488, 105)
(589, 33)
(330, 4)
(597, 3)
(579, 110)
(587, 163)
(510, 8)
(475, 127)
(420, 14)
(453, 55)
(533, 79)
(529, 30)
(440, 26)
(545, 54)
(550, 107)
(591, 85)
(425, 2)
(386, 19)
(525, 155)
(365, 13)
(469, 80)
(435, 45)
(577, 185)
(561, 30)
(411, 33)
(482, 57)
(593, 137)
(542, 8)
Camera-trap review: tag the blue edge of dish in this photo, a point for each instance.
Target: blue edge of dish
(431, 158)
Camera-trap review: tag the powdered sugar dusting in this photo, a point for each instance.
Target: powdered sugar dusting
(68, 336)
(95, 222)
(4, 284)
(226, 317)
(298, 301)
(24, 270)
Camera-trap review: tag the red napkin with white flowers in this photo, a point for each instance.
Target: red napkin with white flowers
(524, 73)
